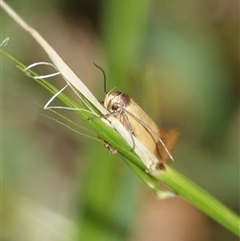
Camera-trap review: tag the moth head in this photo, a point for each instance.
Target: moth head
(116, 101)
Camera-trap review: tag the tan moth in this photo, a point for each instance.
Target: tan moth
(158, 141)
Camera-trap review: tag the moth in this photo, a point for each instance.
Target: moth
(158, 141)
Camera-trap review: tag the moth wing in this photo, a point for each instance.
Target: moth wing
(169, 138)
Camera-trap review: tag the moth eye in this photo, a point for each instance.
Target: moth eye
(115, 106)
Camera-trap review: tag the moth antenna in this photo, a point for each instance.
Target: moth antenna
(104, 78)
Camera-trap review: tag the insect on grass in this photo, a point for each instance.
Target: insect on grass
(158, 141)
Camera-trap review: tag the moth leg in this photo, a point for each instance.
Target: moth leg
(127, 125)
(109, 147)
(105, 143)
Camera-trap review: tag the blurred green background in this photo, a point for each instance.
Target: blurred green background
(178, 60)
